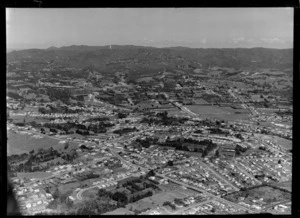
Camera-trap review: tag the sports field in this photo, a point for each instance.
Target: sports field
(90, 193)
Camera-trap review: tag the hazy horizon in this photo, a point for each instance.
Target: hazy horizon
(58, 47)
(154, 27)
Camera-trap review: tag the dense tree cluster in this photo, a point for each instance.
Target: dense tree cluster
(86, 175)
(147, 142)
(15, 158)
(82, 132)
(123, 199)
(125, 130)
(168, 203)
(40, 160)
(14, 95)
(59, 94)
(84, 147)
(240, 149)
(58, 109)
(122, 115)
(96, 206)
(162, 118)
(284, 113)
(100, 127)
(208, 149)
(183, 144)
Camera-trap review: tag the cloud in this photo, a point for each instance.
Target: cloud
(258, 41)
(203, 41)
(147, 41)
(273, 40)
(244, 40)
(8, 18)
(238, 40)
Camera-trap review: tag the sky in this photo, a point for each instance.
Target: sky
(158, 27)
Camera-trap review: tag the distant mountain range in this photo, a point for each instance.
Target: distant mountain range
(101, 57)
(11, 49)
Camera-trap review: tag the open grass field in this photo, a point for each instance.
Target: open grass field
(90, 193)
(19, 143)
(141, 205)
(256, 97)
(213, 109)
(284, 143)
(120, 170)
(267, 112)
(286, 185)
(222, 113)
(160, 198)
(68, 188)
(20, 118)
(169, 193)
(200, 101)
(120, 211)
(36, 175)
(146, 79)
(174, 111)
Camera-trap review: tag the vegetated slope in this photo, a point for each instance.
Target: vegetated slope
(101, 56)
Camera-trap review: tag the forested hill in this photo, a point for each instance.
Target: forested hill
(101, 57)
